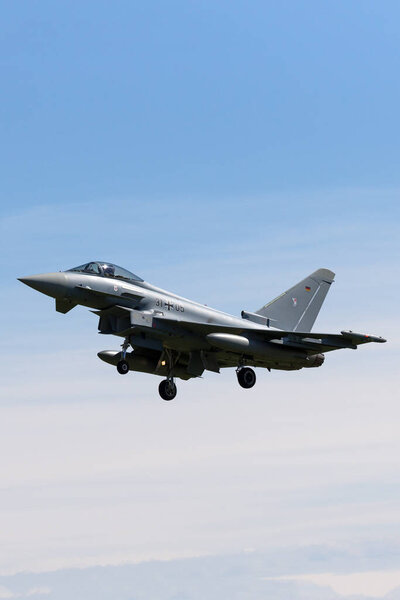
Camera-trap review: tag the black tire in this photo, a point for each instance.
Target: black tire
(123, 367)
(167, 390)
(246, 377)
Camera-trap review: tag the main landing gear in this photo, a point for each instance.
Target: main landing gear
(167, 389)
(246, 377)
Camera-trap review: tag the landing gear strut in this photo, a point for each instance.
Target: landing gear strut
(246, 377)
(122, 365)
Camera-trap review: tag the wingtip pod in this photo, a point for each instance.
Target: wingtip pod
(362, 337)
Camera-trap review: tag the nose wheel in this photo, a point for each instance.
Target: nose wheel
(246, 377)
(123, 365)
(167, 389)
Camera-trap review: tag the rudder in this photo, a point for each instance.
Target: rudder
(297, 308)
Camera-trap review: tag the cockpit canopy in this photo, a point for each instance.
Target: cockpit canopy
(106, 270)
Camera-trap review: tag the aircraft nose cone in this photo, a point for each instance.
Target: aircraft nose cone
(51, 284)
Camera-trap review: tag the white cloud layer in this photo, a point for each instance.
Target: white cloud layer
(374, 584)
(251, 575)
(118, 475)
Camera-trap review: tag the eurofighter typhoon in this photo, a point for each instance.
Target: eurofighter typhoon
(173, 337)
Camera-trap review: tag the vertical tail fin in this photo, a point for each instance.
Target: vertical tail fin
(297, 308)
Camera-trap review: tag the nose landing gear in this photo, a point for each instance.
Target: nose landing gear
(122, 365)
(246, 377)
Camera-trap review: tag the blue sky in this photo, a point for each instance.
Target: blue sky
(222, 150)
(177, 98)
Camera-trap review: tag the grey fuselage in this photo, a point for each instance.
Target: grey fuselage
(245, 346)
(172, 336)
(161, 302)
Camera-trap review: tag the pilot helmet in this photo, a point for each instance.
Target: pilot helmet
(108, 270)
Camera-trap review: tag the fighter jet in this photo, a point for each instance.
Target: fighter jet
(173, 337)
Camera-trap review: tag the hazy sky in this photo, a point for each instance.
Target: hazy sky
(222, 150)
